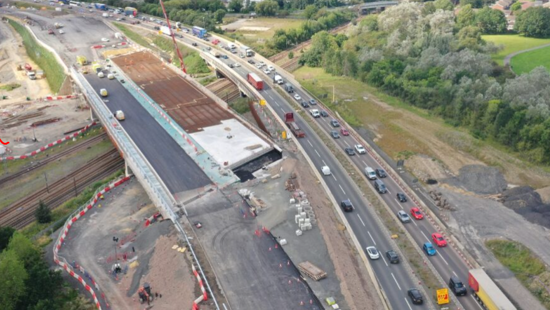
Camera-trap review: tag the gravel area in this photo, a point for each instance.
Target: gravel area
(479, 179)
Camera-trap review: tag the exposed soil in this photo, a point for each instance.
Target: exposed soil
(479, 179)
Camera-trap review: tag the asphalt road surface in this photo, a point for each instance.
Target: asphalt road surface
(177, 170)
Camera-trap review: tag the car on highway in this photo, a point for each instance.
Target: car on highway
(61, 31)
(297, 97)
(104, 40)
(401, 197)
(208, 48)
(415, 212)
(194, 44)
(215, 41)
(304, 104)
(250, 61)
(457, 287)
(392, 257)
(224, 56)
(380, 187)
(267, 71)
(415, 296)
(360, 149)
(349, 151)
(323, 113)
(315, 113)
(120, 115)
(403, 216)
(439, 240)
(236, 65)
(334, 123)
(372, 252)
(335, 134)
(100, 74)
(325, 170)
(429, 249)
(231, 66)
(103, 92)
(346, 205)
(312, 101)
(271, 68)
(381, 173)
(111, 76)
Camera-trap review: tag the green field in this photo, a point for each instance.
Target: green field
(524, 63)
(265, 27)
(55, 75)
(512, 43)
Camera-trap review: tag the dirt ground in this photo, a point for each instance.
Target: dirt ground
(12, 53)
(72, 114)
(146, 254)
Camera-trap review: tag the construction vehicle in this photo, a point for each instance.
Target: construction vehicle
(103, 92)
(487, 292)
(145, 294)
(311, 271)
(96, 67)
(31, 75)
(289, 120)
(58, 25)
(255, 81)
(81, 60)
(28, 67)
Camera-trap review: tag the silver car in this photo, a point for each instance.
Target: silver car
(403, 216)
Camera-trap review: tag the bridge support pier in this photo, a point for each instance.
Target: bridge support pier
(127, 169)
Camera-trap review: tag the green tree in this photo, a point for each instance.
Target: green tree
(236, 5)
(43, 214)
(446, 5)
(534, 22)
(428, 8)
(473, 3)
(491, 21)
(219, 15)
(320, 43)
(291, 55)
(5, 236)
(12, 281)
(310, 11)
(466, 16)
(470, 37)
(267, 8)
(516, 7)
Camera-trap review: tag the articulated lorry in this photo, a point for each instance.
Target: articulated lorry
(199, 32)
(247, 51)
(100, 6)
(289, 120)
(487, 292)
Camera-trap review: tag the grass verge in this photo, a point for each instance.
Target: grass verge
(524, 63)
(526, 266)
(512, 43)
(25, 5)
(61, 213)
(42, 57)
(10, 87)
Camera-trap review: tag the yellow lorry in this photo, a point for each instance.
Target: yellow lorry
(487, 292)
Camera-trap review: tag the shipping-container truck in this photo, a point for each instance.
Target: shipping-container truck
(130, 11)
(100, 6)
(199, 32)
(255, 81)
(247, 51)
(165, 30)
(487, 292)
(289, 120)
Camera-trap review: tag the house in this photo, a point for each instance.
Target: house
(502, 5)
(526, 4)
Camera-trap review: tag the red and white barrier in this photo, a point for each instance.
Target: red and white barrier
(98, 46)
(49, 145)
(54, 98)
(204, 296)
(64, 233)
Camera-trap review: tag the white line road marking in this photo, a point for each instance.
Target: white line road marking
(384, 260)
(371, 237)
(277, 104)
(406, 300)
(347, 143)
(364, 163)
(389, 191)
(343, 191)
(317, 153)
(477, 303)
(283, 110)
(359, 216)
(309, 143)
(455, 274)
(443, 259)
(324, 162)
(425, 236)
(395, 281)
(399, 204)
(334, 178)
(414, 222)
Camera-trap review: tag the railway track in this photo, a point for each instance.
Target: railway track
(75, 148)
(21, 213)
(219, 86)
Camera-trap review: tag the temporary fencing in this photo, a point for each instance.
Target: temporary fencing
(53, 98)
(80, 212)
(204, 296)
(49, 145)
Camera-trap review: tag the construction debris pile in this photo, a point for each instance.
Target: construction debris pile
(441, 202)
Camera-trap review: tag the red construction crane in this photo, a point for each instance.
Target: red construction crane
(173, 37)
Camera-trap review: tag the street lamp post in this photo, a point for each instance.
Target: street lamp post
(115, 239)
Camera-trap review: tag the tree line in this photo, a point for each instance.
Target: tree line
(437, 61)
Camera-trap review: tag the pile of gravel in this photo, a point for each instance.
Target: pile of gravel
(479, 179)
(528, 203)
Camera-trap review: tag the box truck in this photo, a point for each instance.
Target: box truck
(199, 32)
(487, 292)
(255, 81)
(247, 51)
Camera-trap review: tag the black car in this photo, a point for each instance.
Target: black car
(323, 113)
(209, 48)
(350, 151)
(304, 104)
(346, 205)
(381, 173)
(194, 44)
(415, 296)
(392, 257)
(335, 134)
(334, 123)
(457, 287)
(250, 61)
(401, 197)
(156, 28)
(231, 66)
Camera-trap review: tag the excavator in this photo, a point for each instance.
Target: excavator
(144, 293)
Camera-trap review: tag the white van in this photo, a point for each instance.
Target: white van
(369, 172)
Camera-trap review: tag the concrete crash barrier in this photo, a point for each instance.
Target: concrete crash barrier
(80, 212)
(52, 144)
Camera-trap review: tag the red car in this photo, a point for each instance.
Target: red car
(215, 42)
(344, 132)
(438, 239)
(415, 212)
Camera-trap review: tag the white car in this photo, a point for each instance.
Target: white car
(104, 39)
(315, 113)
(373, 252)
(236, 65)
(61, 31)
(271, 68)
(297, 97)
(360, 149)
(120, 115)
(325, 170)
(267, 71)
